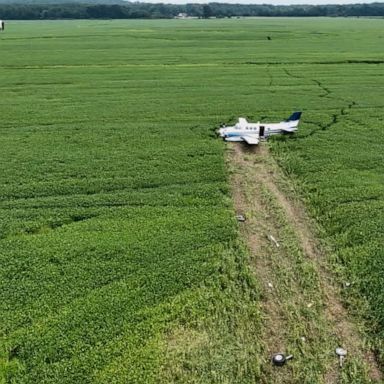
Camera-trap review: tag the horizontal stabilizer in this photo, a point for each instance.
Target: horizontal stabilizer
(289, 129)
(252, 140)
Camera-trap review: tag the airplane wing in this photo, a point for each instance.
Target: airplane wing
(252, 140)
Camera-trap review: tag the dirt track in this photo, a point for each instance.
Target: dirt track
(301, 305)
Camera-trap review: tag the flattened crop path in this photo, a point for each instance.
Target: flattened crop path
(300, 302)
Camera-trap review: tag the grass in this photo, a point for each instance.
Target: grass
(337, 164)
(301, 308)
(120, 255)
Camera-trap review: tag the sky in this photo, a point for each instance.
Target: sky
(274, 2)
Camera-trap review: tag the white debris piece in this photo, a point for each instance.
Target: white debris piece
(341, 352)
(271, 238)
(240, 218)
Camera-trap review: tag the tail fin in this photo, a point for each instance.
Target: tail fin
(242, 122)
(294, 117)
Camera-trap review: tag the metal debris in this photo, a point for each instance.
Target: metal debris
(341, 352)
(279, 359)
(240, 218)
(270, 237)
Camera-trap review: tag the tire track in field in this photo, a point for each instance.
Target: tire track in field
(328, 94)
(325, 126)
(327, 91)
(207, 64)
(270, 76)
(319, 62)
(305, 318)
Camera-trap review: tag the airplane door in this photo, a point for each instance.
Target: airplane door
(261, 131)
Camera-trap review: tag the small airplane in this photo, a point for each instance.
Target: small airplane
(251, 133)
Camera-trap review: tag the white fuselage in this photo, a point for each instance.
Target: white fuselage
(260, 130)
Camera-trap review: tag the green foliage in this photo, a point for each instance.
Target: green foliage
(119, 259)
(337, 160)
(116, 224)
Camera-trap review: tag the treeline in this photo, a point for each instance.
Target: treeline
(32, 11)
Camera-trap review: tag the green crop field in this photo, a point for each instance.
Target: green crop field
(120, 255)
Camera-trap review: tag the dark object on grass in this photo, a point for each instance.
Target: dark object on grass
(279, 359)
(269, 37)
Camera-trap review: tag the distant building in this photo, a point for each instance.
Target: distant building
(181, 16)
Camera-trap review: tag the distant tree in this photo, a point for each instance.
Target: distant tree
(207, 11)
(118, 9)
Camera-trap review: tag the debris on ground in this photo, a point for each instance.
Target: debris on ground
(271, 238)
(240, 218)
(279, 359)
(341, 352)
